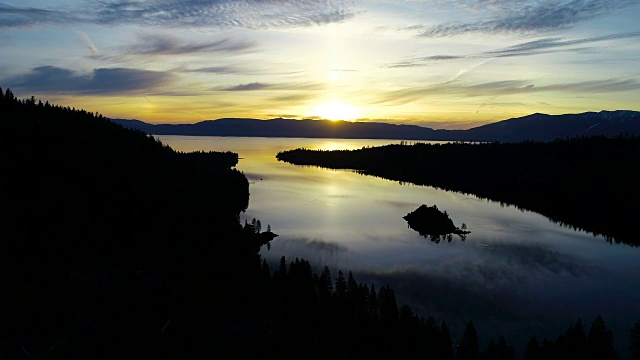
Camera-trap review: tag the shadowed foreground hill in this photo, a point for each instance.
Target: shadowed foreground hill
(85, 193)
(107, 236)
(590, 183)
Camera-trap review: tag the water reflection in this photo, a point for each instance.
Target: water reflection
(517, 271)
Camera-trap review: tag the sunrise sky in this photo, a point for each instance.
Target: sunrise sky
(439, 63)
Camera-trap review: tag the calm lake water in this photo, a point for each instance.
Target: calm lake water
(516, 274)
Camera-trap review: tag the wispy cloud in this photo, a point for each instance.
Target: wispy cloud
(269, 86)
(171, 45)
(293, 98)
(160, 44)
(529, 48)
(11, 16)
(505, 87)
(217, 70)
(535, 257)
(187, 13)
(249, 87)
(553, 44)
(90, 45)
(446, 295)
(523, 17)
(106, 81)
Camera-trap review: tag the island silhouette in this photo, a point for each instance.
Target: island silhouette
(430, 222)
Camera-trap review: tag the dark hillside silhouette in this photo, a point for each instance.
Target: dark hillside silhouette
(588, 183)
(537, 127)
(543, 127)
(108, 238)
(74, 175)
(287, 128)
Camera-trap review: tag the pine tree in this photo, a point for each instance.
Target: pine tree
(548, 349)
(432, 341)
(266, 273)
(388, 306)
(446, 349)
(283, 266)
(341, 286)
(634, 342)
(352, 286)
(532, 351)
(600, 341)
(491, 353)
(9, 95)
(573, 343)
(362, 302)
(373, 303)
(504, 351)
(468, 347)
(324, 284)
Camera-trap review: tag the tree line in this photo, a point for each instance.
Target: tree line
(331, 317)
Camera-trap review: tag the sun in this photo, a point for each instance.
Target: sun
(336, 110)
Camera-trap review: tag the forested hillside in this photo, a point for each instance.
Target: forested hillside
(107, 235)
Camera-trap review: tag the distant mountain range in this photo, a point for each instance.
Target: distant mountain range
(537, 127)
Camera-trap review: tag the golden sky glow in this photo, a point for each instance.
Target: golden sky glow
(442, 64)
(336, 110)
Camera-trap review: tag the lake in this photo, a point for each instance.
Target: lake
(516, 274)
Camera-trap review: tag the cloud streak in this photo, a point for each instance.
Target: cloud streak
(538, 258)
(269, 86)
(217, 70)
(524, 17)
(169, 45)
(104, 81)
(15, 17)
(249, 87)
(188, 13)
(505, 87)
(440, 295)
(529, 48)
(90, 45)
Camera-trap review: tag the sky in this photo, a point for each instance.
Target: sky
(450, 64)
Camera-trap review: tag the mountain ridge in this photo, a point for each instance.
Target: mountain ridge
(533, 127)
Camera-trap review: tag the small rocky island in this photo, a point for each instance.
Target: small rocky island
(430, 222)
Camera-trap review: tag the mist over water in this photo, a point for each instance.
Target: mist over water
(516, 273)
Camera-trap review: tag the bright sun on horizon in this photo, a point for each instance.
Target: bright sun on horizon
(336, 110)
